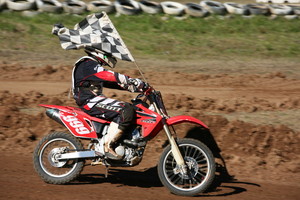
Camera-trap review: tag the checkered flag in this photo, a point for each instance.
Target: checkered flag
(95, 31)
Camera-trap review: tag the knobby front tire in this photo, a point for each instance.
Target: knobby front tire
(201, 168)
(45, 161)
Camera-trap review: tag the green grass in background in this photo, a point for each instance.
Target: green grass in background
(166, 38)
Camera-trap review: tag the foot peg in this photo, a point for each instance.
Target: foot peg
(112, 157)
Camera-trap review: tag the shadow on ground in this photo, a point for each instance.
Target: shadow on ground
(146, 179)
(228, 189)
(149, 178)
(223, 185)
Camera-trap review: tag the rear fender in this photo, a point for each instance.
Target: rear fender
(79, 125)
(184, 118)
(63, 108)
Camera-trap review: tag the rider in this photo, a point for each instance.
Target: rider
(89, 78)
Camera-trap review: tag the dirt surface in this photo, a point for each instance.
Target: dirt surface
(253, 119)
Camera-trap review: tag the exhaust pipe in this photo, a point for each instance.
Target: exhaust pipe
(54, 114)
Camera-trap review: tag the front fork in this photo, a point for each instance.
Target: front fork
(175, 150)
(174, 147)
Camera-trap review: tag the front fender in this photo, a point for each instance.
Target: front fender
(184, 118)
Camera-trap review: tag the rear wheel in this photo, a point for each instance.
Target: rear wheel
(46, 154)
(200, 164)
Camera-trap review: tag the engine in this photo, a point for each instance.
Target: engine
(132, 149)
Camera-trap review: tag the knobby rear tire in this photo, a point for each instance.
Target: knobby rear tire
(51, 170)
(201, 164)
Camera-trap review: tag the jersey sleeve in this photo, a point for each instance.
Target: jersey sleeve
(110, 79)
(128, 83)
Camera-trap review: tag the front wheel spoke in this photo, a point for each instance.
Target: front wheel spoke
(192, 183)
(202, 163)
(171, 176)
(186, 150)
(202, 166)
(203, 174)
(177, 180)
(192, 152)
(170, 163)
(202, 170)
(170, 171)
(197, 180)
(195, 153)
(170, 159)
(169, 167)
(200, 158)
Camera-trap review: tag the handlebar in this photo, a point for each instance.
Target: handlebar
(155, 98)
(145, 93)
(149, 90)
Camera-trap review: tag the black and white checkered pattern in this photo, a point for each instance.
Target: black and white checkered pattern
(96, 31)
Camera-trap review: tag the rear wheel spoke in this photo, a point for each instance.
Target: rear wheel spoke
(52, 166)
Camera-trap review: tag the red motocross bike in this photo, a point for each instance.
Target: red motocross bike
(186, 166)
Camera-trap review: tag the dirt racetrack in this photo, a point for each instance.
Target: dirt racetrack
(253, 118)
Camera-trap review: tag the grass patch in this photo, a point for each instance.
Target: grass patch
(153, 36)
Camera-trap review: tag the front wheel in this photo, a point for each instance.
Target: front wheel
(46, 154)
(200, 164)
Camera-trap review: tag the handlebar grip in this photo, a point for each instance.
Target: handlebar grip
(148, 90)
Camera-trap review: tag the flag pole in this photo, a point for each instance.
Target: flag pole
(140, 72)
(118, 36)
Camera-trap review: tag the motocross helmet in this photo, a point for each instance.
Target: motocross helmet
(103, 57)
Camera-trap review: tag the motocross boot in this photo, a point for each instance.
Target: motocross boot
(113, 134)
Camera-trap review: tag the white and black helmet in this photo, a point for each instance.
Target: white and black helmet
(104, 58)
